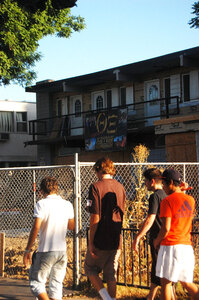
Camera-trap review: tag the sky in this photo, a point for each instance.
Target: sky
(117, 32)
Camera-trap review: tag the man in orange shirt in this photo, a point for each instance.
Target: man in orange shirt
(175, 257)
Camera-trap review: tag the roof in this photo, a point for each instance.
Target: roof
(184, 58)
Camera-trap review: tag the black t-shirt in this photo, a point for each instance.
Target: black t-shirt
(107, 199)
(154, 208)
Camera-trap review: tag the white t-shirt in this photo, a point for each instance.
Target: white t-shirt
(54, 212)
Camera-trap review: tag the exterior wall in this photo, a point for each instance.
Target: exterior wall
(197, 145)
(43, 106)
(12, 151)
(43, 111)
(44, 155)
(93, 156)
(86, 102)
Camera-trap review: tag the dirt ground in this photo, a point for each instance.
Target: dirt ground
(14, 269)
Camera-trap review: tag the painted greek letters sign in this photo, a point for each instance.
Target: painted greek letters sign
(106, 130)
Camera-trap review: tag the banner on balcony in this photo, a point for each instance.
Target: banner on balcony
(106, 130)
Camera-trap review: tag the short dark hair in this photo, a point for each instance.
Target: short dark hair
(153, 173)
(49, 185)
(105, 165)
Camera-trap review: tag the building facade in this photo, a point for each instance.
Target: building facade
(14, 128)
(153, 102)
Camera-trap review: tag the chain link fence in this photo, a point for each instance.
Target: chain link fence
(134, 269)
(19, 191)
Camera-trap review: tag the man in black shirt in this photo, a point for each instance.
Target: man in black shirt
(152, 223)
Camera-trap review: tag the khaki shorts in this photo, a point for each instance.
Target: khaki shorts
(176, 263)
(106, 261)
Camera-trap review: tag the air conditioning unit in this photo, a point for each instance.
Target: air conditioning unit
(4, 137)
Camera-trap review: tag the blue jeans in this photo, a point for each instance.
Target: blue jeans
(50, 265)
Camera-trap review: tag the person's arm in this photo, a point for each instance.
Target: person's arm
(94, 220)
(33, 234)
(143, 230)
(71, 224)
(165, 228)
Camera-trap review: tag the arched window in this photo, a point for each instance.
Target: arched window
(99, 102)
(78, 108)
(153, 92)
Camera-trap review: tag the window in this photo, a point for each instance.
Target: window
(109, 98)
(123, 96)
(21, 120)
(153, 92)
(186, 87)
(6, 121)
(78, 108)
(167, 90)
(59, 108)
(99, 102)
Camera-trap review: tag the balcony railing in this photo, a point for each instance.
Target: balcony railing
(140, 115)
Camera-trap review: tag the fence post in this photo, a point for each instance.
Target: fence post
(184, 173)
(76, 206)
(34, 188)
(2, 251)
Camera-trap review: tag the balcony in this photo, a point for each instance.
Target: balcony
(71, 127)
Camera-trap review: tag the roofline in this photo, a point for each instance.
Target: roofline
(20, 101)
(175, 55)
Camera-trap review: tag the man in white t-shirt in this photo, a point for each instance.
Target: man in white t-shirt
(53, 216)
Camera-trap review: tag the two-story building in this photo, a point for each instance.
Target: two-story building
(153, 102)
(14, 132)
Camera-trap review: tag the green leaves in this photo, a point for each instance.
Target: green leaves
(194, 22)
(20, 32)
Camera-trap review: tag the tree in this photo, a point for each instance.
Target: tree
(194, 22)
(21, 28)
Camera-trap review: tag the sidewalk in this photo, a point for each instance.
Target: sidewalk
(14, 289)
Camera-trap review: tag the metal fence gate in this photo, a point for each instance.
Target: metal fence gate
(19, 193)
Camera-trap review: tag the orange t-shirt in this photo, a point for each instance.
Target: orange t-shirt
(180, 208)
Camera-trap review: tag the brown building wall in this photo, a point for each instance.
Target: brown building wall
(181, 147)
(117, 156)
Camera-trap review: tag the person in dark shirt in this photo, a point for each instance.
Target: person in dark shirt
(152, 223)
(106, 205)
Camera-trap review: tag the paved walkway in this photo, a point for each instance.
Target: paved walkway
(19, 290)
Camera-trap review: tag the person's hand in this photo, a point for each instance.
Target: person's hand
(135, 244)
(27, 259)
(156, 244)
(184, 186)
(92, 250)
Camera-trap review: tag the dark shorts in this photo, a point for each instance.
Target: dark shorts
(154, 254)
(106, 261)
